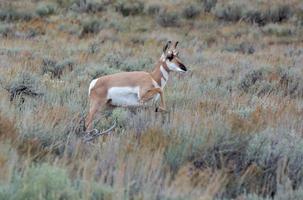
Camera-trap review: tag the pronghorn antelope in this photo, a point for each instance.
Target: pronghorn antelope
(134, 88)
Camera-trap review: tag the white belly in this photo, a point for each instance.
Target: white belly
(124, 96)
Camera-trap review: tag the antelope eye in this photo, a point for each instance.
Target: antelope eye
(170, 57)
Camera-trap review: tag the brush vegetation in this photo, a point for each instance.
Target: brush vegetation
(235, 121)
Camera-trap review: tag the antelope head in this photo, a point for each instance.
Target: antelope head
(171, 58)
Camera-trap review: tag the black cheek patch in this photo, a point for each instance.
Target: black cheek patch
(182, 67)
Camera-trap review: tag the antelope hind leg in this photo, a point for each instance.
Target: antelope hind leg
(95, 106)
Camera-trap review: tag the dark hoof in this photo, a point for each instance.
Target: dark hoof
(159, 109)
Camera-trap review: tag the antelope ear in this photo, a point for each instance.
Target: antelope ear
(176, 44)
(166, 46)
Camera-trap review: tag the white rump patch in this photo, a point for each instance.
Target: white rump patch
(124, 96)
(92, 85)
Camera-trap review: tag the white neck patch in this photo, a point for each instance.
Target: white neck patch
(164, 73)
(163, 82)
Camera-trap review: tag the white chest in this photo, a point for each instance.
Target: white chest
(124, 96)
(163, 83)
(164, 77)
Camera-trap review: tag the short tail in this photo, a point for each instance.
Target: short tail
(92, 85)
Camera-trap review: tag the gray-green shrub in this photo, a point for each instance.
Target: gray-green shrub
(45, 9)
(127, 8)
(88, 6)
(208, 5)
(190, 12)
(243, 47)
(56, 69)
(40, 181)
(284, 82)
(91, 26)
(168, 19)
(10, 15)
(265, 151)
(279, 30)
(6, 31)
(153, 9)
(238, 11)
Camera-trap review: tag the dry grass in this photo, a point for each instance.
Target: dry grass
(7, 128)
(233, 130)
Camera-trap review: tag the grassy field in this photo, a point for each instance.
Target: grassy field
(235, 123)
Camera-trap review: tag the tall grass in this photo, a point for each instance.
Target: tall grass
(233, 129)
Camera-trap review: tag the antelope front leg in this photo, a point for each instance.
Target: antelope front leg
(150, 93)
(162, 101)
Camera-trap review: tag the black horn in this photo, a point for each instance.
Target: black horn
(166, 46)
